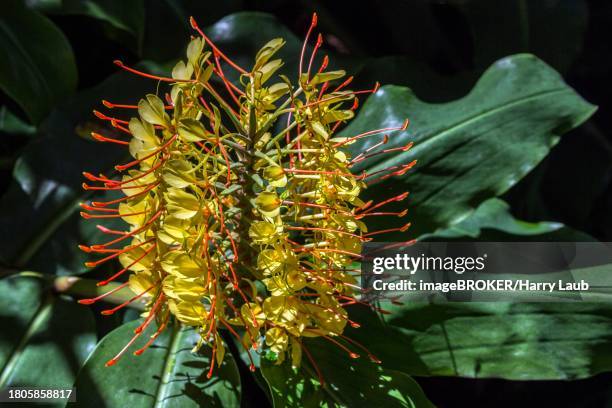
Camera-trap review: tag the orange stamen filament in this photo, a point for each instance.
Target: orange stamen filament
(108, 312)
(398, 229)
(135, 162)
(105, 139)
(116, 254)
(155, 335)
(145, 75)
(313, 24)
(110, 292)
(195, 26)
(373, 132)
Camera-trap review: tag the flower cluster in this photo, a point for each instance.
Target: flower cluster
(242, 209)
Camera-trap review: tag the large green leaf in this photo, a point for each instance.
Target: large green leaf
(347, 382)
(37, 68)
(507, 340)
(168, 374)
(528, 341)
(124, 15)
(471, 149)
(45, 339)
(492, 221)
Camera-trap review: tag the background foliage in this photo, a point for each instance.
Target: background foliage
(510, 113)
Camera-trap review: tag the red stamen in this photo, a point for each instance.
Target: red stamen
(361, 346)
(107, 187)
(324, 64)
(144, 74)
(135, 162)
(397, 198)
(252, 366)
(384, 141)
(141, 175)
(155, 335)
(385, 151)
(313, 205)
(152, 314)
(313, 24)
(102, 178)
(353, 93)
(337, 343)
(101, 138)
(102, 116)
(212, 361)
(398, 214)
(129, 234)
(116, 125)
(88, 216)
(110, 231)
(108, 312)
(90, 208)
(402, 170)
(322, 91)
(399, 229)
(116, 105)
(323, 230)
(314, 52)
(328, 173)
(121, 272)
(344, 84)
(110, 292)
(127, 197)
(194, 25)
(116, 254)
(334, 250)
(228, 85)
(114, 360)
(374, 132)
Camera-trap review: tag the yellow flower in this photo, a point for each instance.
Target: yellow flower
(218, 196)
(268, 203)
(262, 232)
(277, 339)
(276, 261)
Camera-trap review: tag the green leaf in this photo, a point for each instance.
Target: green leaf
(471, 149)
(347, 382)
(492, 221)
(45, 339)
(166, 375)
(124, 15)
(520, 341)
(38, 68)
(10, 123)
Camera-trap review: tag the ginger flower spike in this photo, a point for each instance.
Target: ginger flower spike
(241, 209)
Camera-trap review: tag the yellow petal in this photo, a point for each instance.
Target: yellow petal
(152, 110)
(275, 175)
(262, 232)
(277, 339)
